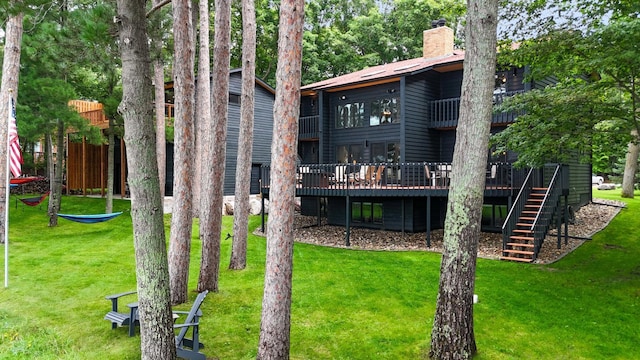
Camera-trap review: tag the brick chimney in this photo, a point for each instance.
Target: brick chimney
(437, 41)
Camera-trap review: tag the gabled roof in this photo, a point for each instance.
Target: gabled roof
(259, 82)
(387, 72)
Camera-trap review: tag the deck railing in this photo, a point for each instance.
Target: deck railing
(411, 178)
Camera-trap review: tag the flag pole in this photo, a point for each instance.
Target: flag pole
(6, 206)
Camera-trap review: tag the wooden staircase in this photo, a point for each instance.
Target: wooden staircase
(521, 244)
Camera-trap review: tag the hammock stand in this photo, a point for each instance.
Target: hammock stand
(90, 219)
(33, 201)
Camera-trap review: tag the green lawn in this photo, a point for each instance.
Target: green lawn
(347, 304)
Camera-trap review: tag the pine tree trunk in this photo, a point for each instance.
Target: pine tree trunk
(9, 88)
(213, 178)
(245, 138)
(161, 136)
(52, 209)
(55, 198)
(203, 103)
(452, 336)
(182, 215)
(156, 320)
(276, 303)
(110, 167)
(630, 166)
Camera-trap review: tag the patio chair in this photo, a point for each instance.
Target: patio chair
(444, 172)
(369, 175)
(189, 348)
(360, 176)
(377, 179)
(340, 175)
(431, 178)
(117, 318)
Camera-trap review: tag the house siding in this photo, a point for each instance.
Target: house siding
(262, 135)
(420, 142)
(365, 135)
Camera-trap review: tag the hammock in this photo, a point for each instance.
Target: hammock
(90, 219)
(24, 180)
(34, 201)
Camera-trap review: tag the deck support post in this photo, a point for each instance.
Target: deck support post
(262, 211)
(428, 221)
(559, 219)
(319, 210)
(566, 220)
(402, 216)
(347, 232)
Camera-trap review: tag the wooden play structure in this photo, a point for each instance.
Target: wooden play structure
(87, 163)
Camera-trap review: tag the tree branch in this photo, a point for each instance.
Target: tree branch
(157, 7)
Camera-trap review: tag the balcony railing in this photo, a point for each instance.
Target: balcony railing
(445, 112)
(390, 179)
(309, 127)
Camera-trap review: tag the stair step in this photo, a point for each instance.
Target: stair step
(526, 218)
(535, 206)
(516, 259)
(521, 252)
(523, 231)
(535, 200)
(529, 212)
(539, 189)
(521, 245)
(525, 238)
(527, 225)
(537, 195)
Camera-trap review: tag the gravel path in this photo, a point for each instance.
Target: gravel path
(589, 220)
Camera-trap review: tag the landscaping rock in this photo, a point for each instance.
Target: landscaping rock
(590, 219)
(607, 186)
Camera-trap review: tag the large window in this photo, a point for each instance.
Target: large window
(366, 212)
(385, 111)
(350, 115)
(385, 152)
(349, 153)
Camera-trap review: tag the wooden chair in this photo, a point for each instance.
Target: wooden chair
(117, 318)
(370, 174)
(189, 348)
(378, 175)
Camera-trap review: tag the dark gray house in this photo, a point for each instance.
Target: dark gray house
(262, 133)
(376, 148)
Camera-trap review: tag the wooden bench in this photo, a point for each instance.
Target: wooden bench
(119, 319)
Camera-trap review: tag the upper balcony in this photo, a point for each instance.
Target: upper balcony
(309, 127)
(446, 111)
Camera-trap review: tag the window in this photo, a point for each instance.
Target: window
(366, 212)
(350, 115)
(234, 99)
(385, 152)
(349, 153)
(385, 111)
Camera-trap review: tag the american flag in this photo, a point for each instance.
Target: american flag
(15, 152)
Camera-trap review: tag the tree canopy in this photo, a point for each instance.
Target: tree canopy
(592, 106)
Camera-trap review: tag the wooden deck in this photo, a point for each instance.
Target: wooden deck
(396, 180)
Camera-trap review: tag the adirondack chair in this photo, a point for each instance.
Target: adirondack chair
(123, 319)
(189, 348)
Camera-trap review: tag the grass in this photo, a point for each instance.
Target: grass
(346, 304)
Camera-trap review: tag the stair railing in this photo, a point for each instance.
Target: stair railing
(517, 208)
(542, 221)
